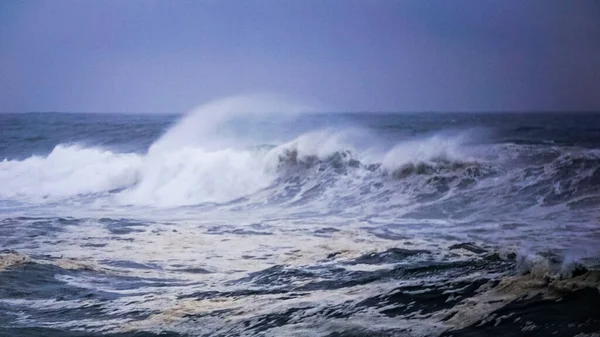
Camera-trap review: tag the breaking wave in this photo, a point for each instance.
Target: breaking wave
(223, 228)
(193, 163)
(69, 170)
(191, 174)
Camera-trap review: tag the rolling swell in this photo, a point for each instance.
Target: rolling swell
(448, 297)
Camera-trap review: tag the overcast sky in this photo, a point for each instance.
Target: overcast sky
(169, 56)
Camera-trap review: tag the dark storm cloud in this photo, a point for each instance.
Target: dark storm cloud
(351, 55)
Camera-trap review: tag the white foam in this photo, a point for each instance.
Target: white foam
(320, 144)
(194, 175)
(191, 163)
(68, 171)
(11, 259)
(428, 150)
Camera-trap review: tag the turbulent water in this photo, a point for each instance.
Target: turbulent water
(233, 222)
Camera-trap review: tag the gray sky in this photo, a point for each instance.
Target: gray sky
(169, 56)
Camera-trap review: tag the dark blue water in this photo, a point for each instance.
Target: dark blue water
(346, 224)
(25, 134)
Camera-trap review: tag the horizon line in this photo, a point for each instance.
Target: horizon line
(313, 112)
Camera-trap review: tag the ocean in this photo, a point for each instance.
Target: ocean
(219, 223)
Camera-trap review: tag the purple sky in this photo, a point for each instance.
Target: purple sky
(169, 56)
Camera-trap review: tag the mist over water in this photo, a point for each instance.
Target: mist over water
(255, 215)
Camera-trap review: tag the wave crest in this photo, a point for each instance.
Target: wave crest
(69, 170)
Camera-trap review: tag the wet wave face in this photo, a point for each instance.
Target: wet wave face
(248, 217)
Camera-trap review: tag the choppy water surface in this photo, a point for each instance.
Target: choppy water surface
(465, 224)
